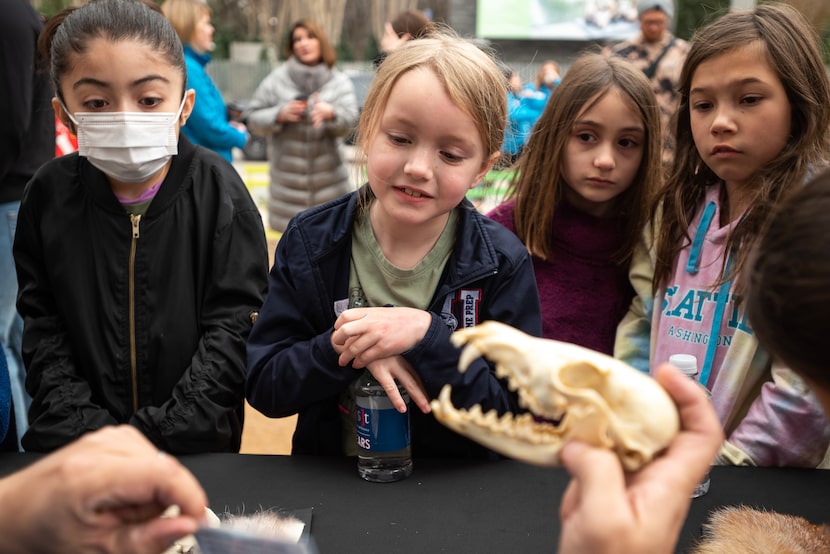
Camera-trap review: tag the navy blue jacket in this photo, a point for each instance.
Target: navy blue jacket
(292, 366)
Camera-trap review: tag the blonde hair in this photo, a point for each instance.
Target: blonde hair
(470, 77)
(538, 182)
(185, 15)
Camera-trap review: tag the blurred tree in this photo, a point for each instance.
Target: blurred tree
(355, 26)
(818, 13)
(386, 10)
(50, 7)
(693, 14)
(357, 34)
(352, 25)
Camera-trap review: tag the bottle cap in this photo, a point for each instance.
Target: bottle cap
(686, 363)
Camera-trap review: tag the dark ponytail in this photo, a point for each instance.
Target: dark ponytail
(70, 31)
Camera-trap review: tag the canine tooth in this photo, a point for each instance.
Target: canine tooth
(467, 356)
(458, 339)
(444, 395)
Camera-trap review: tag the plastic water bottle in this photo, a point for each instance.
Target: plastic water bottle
(687, 364)
(384, 451)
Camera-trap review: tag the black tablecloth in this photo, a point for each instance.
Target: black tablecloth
(454, 506)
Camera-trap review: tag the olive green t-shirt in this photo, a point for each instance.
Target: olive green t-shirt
(374, 281)
(139, 208)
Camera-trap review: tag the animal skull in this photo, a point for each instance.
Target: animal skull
(591, 397)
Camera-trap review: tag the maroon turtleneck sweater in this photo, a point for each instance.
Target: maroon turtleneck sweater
(584, 294)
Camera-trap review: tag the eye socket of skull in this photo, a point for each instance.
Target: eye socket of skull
(581, 375)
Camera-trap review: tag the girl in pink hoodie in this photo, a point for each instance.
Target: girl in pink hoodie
(751, 126)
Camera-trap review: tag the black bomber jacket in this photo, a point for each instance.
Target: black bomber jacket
(139, 321)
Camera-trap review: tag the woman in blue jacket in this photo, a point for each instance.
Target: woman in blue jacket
(208, 124)
(522, 112)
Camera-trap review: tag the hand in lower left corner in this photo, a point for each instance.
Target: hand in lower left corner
(605, 510)
(102, 493)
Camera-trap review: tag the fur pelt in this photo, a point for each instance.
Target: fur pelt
(741, 529)
(265, 524)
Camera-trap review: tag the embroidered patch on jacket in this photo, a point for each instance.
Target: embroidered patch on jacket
(461, 307)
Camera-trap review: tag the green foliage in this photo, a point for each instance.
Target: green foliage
(222, 38)
(344, 52)
(692, 14)
(48, 8)
(372, 49)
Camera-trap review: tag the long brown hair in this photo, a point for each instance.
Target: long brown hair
(328, 55)
(792, 50)
(538, 183)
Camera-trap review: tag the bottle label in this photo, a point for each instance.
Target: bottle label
(380, 427)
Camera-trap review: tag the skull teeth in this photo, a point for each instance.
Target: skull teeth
(523, 426)
(467, 356)
(566, 392)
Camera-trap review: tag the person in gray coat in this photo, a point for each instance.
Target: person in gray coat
(305, 107)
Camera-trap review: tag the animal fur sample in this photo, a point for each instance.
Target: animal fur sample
(739, 529)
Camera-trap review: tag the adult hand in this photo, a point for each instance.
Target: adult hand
(102, 493)
(239, 126)
(321, 111)
(390, 40)
(362, 335)
(387, 371)
(293, 112)
(606, 510)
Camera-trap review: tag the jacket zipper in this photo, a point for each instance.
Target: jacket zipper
(135, 220)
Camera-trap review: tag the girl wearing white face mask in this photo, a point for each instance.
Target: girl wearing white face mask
(142, 257)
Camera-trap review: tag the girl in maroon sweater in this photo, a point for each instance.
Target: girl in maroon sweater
(580, 196)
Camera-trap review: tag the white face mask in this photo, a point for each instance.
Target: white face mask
(127, 146)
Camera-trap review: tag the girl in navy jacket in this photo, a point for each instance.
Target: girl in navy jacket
(380, 278)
